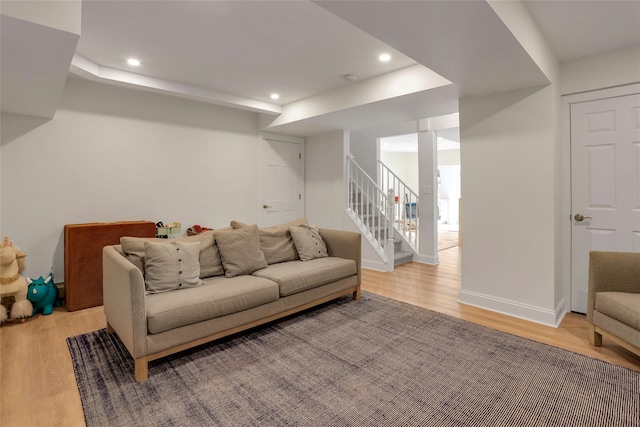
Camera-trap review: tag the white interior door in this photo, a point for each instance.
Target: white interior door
(281, 181)
(605, 181)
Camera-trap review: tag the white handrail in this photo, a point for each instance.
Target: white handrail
(407, 213)
(371, 207)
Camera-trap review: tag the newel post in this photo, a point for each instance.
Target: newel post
(389, 232)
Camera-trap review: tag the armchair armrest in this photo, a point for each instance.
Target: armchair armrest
(124, 300)
(612, 272)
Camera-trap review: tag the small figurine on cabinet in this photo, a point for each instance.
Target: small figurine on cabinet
(12, 283)
(43, 294)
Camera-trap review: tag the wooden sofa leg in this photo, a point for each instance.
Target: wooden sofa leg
(141, 369)
(357, 294)
(110, 329)
(595, 339)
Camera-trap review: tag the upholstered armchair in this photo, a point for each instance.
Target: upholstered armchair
(613, 305)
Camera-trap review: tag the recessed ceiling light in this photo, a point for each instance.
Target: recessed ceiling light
(133, 62)
(384, 57)
(275, 96)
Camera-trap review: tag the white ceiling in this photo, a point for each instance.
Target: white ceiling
(577, 28)
(246, 48)
(238, 52)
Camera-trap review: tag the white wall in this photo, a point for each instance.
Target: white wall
(112, 154)
(609, 69)
(449, 168)
(363, 143)
(405, 165)
(61, 15)
(449, 157)
(324, 179)
(513, 176)
(449, 193)
(508, 209)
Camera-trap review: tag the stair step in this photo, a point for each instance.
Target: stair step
(402, 257)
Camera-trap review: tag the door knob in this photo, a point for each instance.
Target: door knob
(580, 217)
(266, 206)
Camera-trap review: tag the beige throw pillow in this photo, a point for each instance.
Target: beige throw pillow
(171, 266)
(240, 251)
(209, 258)
(308, 242)
(276, 242)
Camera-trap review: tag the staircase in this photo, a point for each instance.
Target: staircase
(370, 209)
(406, 211)
(400, 256)
(377, 226)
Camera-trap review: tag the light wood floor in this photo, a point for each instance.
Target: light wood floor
(38, 386)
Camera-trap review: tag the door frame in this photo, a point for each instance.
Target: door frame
(265, 136)
(567, 209)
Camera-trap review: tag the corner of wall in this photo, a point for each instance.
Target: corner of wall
(513, 308)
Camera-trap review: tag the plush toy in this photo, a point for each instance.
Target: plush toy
(11, 282)
(43, 294)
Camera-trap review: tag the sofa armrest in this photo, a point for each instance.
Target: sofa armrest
(612, 272)
(344, 244)
(124, 300)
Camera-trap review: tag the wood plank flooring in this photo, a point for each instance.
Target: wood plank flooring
(36, 376)
(447, 239)
(38, 384)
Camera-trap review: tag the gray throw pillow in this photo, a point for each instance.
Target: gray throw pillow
(240, 251)
(210, 263)
(275, 241)
(171, 266)
(308, 242)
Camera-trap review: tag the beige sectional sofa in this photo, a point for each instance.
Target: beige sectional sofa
(159, 300)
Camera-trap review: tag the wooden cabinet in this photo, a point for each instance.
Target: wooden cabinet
(83, 245)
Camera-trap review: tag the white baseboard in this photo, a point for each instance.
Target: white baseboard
(514, 308)
(561, 310)
(424, 259)
(373, 265)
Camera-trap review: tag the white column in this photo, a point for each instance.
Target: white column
(428, 193)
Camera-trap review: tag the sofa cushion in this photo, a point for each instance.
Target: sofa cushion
(622, 306)
(172, 266)
(298, 276)
(276, 241)
(308, 242)
(240, 251)
(210, 263)
(219, 296)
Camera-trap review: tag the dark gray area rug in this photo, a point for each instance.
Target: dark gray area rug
(376, 362)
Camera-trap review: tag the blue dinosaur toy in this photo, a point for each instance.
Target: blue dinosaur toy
(43, 294)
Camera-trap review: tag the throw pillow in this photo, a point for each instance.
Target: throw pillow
(240, 251)
(210, 263)
(308, 242)
(276, 242)
(133, 248)
(171, 266)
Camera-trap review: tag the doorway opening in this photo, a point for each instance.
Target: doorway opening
(400, 154)
(448, 188)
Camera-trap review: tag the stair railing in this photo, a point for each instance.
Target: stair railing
(370, 207)
(406, 218)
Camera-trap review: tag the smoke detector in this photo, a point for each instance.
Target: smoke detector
(350, 78)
